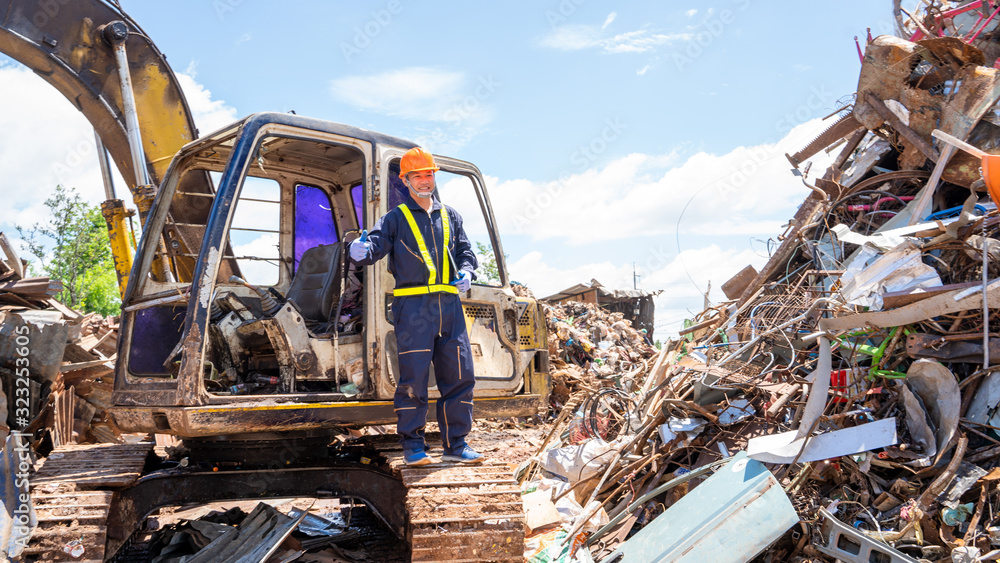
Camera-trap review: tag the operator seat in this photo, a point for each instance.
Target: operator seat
(316, 285)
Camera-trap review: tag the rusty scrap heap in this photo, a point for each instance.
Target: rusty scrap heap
(845, 404)
(588, 344)
(69, 355)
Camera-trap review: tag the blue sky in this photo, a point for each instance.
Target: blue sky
(596, 123)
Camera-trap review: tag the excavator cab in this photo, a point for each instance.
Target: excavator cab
(242, 314)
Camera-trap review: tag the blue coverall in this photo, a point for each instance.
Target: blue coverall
(429, 327)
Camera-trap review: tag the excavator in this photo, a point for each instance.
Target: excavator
(244, 331)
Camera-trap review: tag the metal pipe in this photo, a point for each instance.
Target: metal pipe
(102, 158)
(986, 23)
(116, 33)
(986, 303)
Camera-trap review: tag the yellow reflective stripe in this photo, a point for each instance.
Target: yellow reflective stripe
(421, 245)
(425, 289)
(446, 226)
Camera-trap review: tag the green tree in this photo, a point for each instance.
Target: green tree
(488, 270)
(73, 247)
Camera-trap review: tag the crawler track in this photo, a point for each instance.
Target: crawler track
(462, 512)
(72, 493)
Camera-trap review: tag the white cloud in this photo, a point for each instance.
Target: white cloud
(643, 70)
(577, 37)
(420, 93)
(535, 270)
(450, 107)
(244, 38)
(258, 272)
(209, 114)
(611, 17)
(45, 141)
(654, 195)
(691, 13)
(748, 192)
(683, 277)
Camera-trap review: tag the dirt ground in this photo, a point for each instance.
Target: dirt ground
(510, 440)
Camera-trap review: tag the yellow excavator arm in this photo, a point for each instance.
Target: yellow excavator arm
(67, 43)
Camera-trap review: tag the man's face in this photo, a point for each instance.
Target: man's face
(421, 183)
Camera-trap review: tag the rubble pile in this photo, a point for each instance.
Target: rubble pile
(588, 344)
(69, 359)
(845, 403)
(274, 531)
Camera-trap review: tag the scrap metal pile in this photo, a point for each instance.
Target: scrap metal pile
(845, 404)
(285, 532)
(588, 343)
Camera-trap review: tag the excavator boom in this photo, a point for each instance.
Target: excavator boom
(63, 42)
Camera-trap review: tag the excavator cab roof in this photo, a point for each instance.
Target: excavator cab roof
(257, 120)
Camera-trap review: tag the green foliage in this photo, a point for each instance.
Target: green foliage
(488, 272)
(73, 247)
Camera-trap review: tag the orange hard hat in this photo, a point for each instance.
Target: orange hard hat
(415, 160)
(991, 175)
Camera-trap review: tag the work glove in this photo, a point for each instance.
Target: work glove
(464, 281)
(359, 250)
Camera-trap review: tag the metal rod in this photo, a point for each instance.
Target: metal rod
(102, 158)
(986, 305)
(131, 117)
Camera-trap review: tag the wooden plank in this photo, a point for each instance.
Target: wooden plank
(894, 299)
(13, 260)
(737, 284)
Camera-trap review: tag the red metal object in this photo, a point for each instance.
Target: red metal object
(838, 383)
(985, 23)
(918, 35)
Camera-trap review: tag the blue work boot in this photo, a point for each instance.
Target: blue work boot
(463, 455)
(416, 457)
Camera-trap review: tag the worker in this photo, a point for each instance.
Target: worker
(645, 336)
(432, 261)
